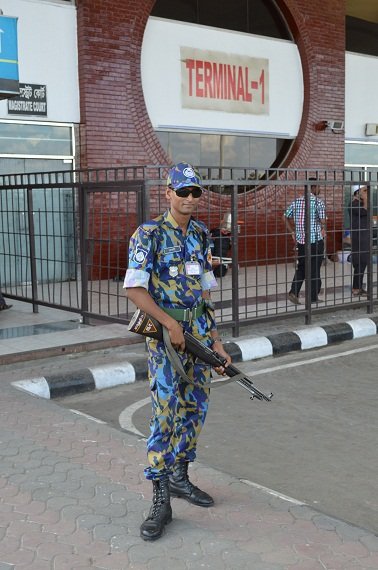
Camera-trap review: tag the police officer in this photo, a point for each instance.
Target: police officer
(169, 276)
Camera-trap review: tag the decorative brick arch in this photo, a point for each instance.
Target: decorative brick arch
(115, 126)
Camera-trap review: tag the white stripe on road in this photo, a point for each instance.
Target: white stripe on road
(126, 417)
(272, 492)
(87, 416)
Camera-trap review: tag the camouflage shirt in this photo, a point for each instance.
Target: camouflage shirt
(158, 254)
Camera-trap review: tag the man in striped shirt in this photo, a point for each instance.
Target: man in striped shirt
(295, 219)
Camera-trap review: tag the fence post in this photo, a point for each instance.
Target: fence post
(369, 276)
(308, 251)
(235, 262)
(83, 229)
(33, 265)
(143, 202)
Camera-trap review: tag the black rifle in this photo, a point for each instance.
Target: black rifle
(144, 324)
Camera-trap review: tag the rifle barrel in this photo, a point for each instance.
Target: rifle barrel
(215, 359)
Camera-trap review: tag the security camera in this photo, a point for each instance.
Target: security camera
(335, 126)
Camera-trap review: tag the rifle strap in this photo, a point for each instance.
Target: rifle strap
(173, 357)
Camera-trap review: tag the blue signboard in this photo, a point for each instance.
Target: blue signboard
(8, 57)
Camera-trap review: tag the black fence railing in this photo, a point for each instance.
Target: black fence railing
(64, 239)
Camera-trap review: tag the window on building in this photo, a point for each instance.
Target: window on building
(361, 36)
(35, 139)
(225, 156)
(260, 17)
(361, 27)
(361, 153)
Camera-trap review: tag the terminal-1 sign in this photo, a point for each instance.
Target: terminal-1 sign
(224, 82)
(32, 100)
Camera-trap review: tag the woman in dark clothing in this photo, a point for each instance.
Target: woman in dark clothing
(360, 239)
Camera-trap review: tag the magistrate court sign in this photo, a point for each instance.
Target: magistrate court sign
(219, 81)
(32, 100)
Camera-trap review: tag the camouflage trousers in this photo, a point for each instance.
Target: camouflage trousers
(178, 410)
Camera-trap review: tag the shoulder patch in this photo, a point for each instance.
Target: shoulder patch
(140, 255)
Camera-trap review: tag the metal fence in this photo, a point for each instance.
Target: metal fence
(64, 239)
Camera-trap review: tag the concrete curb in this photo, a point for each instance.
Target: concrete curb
(99, 378)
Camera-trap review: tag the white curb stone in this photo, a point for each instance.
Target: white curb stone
(312, 337)
(113, 375)
(363, 327)
(36, 386)
(255, 348)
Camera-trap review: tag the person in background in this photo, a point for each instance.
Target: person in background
(347, 200)
(221, 245)
(295, 219)
(359, 239)
(3, 304)
(170, 276)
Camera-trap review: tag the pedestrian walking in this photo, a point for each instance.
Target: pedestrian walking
(170, 276)
(295, 220)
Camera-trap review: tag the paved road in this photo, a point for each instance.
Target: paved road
(316, 441)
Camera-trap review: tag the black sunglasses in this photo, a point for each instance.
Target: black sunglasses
(184, 192)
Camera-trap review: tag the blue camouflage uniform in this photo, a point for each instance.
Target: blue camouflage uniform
(157, 256)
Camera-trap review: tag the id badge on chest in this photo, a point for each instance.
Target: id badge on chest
(192, 268)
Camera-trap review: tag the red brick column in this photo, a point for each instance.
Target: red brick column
(115, 127)
(319, 31)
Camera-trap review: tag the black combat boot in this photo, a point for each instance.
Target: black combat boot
(160, 513)
(180, 486)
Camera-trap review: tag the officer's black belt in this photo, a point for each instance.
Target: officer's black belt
(186, 314)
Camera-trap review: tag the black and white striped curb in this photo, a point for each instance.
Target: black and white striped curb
(72, 382)
(302, 339)
(108, 376)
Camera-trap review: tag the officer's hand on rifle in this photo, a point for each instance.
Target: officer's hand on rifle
(218, 347)
(176, 334)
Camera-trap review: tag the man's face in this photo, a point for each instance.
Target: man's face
(315, 189)
(185, 205)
